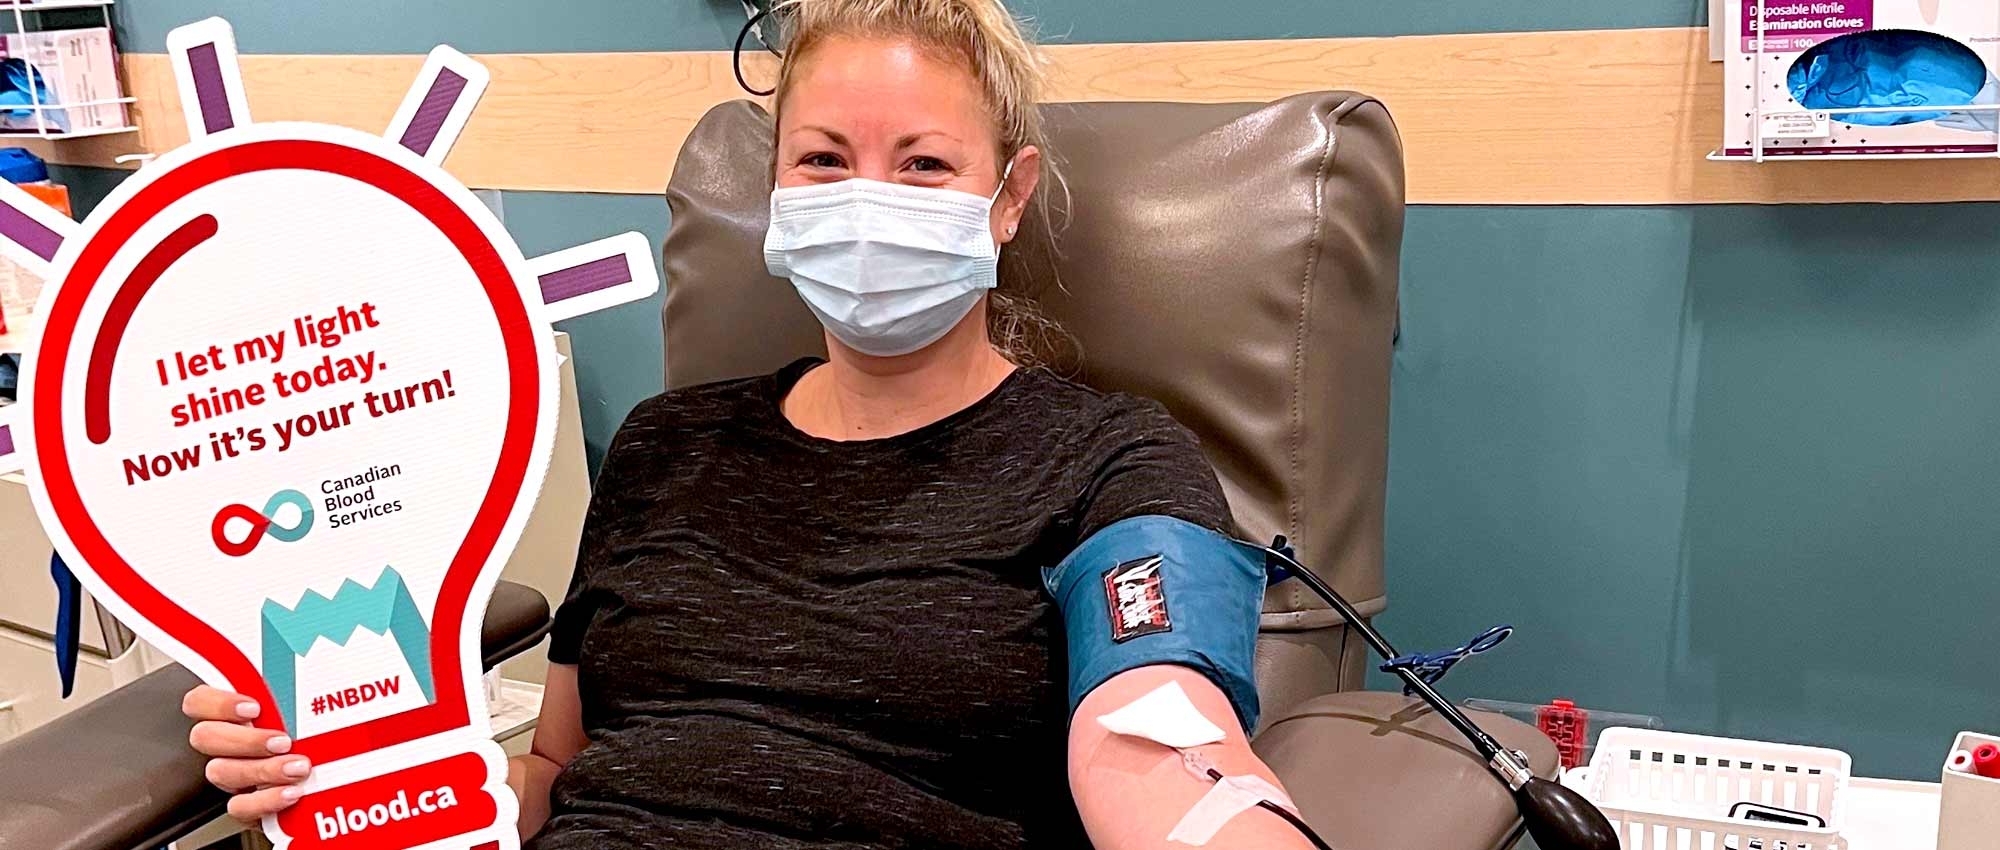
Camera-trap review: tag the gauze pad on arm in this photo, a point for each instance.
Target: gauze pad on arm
(1164, 716)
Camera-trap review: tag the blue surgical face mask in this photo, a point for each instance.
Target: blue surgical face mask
(887, 268)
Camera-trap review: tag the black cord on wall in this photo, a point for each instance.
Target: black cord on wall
(759, 11)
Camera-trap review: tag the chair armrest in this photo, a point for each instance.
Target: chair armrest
(517, 618)
(1381, 770)
(117, 773)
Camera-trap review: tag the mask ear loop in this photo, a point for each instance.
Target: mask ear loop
(736, 56)
(995, 200)
(1004, 175)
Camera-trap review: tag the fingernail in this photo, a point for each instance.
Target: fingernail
(248, 710)
(297, 769)
(278, 744)
(292, 793)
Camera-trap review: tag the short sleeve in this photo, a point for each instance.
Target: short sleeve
(1146, 464)
(613, 503)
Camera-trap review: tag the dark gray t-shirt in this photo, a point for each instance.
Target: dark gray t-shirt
(785, 641)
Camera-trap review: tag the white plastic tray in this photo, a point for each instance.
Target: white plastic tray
(1672, 790)
(1882, 814)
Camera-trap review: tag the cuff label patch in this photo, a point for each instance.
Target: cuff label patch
(1136, 593)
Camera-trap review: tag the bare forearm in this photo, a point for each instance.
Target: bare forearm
(558, 738)
(1132, 792)
(531, 776)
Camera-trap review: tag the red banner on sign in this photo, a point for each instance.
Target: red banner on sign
(407, 808)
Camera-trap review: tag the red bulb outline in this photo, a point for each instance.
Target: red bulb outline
(97, 395)
(517, 332)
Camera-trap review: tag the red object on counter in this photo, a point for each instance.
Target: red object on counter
(1986, 761)
(1569, 727)
(54, 194)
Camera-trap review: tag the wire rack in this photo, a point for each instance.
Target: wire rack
(1761, 137)
(44, 128)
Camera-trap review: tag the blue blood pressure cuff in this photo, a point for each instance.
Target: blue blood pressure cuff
(1158, 590)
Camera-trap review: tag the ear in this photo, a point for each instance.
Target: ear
(1016, 193)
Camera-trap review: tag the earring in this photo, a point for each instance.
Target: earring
(1010, 230)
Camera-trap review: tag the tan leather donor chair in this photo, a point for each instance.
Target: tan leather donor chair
(1237, 262)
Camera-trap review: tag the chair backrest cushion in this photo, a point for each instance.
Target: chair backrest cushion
(1237, 262)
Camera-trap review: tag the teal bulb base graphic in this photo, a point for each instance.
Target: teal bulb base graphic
(385, 609)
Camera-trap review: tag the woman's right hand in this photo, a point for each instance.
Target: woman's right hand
(248, 762)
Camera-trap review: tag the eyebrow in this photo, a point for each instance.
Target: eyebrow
(836, 137)
(914, 138)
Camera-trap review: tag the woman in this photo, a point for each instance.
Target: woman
(808, 608)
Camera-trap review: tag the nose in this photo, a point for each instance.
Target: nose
(882, 172)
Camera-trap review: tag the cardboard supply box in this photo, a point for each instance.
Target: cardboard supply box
(79, 69)
(1953, 38)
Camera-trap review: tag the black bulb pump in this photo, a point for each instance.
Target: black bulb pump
(1561, 819)
(1558, 817)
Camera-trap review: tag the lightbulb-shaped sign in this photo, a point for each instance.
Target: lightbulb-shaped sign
(290, 399)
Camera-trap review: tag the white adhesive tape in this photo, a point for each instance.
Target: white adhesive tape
(1230, 797)
(1961, 761)
(1165, 716)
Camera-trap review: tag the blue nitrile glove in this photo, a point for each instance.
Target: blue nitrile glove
(14, 84)
(1977, 121)
(1887, 68)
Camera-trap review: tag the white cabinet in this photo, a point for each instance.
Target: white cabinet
(30, 689)
(30, 693)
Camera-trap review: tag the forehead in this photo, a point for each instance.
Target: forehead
(884, 86)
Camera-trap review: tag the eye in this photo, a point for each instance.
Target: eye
(821, 160)
(927, 164)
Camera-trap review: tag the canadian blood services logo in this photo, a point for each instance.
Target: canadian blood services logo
(262, 523)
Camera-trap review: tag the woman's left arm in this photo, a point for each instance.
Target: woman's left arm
(1131, 792)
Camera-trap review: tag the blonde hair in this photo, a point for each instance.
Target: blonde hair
(987, 40)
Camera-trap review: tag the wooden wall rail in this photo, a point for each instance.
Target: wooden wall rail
(1579, 117)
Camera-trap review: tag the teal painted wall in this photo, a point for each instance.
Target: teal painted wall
(618, 352)
(1694, 454)
(1732, 466)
